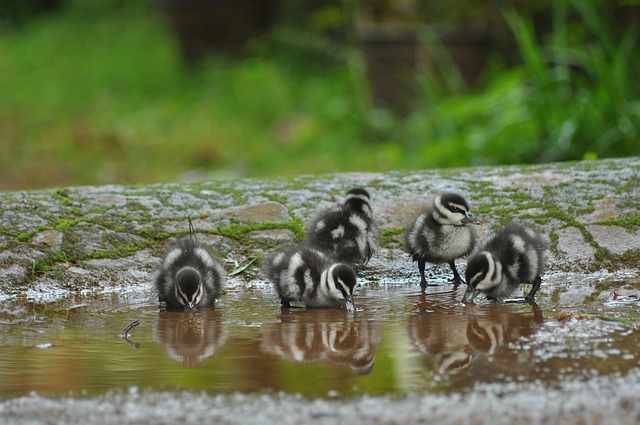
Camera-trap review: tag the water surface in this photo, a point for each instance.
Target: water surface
(398, 342)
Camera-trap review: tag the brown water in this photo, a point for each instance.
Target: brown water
(397, 342)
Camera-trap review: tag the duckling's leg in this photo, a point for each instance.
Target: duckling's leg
(423, 281)
(532, 293)
(456, 276)
(534, 288)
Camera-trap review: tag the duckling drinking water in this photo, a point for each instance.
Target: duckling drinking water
(301, 273)
(188, 276)
(513, 255)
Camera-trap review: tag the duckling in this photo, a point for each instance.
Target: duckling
(188, 276)
(301, 273)
(347, 232)
(511, 256)
(439, 234)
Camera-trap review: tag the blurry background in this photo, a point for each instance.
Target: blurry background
(116, 91)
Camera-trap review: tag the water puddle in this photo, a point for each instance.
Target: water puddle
(397, 342)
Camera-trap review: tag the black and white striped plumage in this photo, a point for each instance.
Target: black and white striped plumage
(511, 256)
(188, 276)
(304, 274)
(441, 233)
(347, 232)
(331, 338)
(191, 338)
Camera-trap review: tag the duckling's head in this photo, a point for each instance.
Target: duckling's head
(357, 200)
(483, 273)
(188, 287)
(453, 209)
(342, 284)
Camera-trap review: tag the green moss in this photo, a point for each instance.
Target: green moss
(61, 224)
(388, 237)
(553, 236)
(276, 198)
(65, 224)
(629, 186)
(53, 258)
(117, 252)
(505, 215)
(478, 186)
(607, 260)
(629, 222)
(24, 236)
(555, 296)
(239, 231)
(63, 195)
(518, 195)
(490, 207)
(584, 211)
(630, 258)
(147, 232)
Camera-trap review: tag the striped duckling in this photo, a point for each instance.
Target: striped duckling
(512, 255)
(346, 232)
(303, 274)
(188, 276)
(442, 233)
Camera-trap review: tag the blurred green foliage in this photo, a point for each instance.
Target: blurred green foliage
(97, 94)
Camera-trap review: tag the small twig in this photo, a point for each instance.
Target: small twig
(244, 267)
(125, 332)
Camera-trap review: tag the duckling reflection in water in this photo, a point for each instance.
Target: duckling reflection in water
(190, 338)
(512, 255)
(440, 332)
(346, 232)
(442, 233)
(303, 274)
(316, 336)
(188, 276)
(456, 342)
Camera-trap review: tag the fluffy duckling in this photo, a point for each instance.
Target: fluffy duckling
(188, 276)
(300, 273)
(441, 234)
(346, 232)
(511, 256)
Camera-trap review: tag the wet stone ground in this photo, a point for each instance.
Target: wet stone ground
(75, 267)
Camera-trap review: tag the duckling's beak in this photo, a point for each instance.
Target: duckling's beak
(470, 294)
(349, 304)
(190, 306)
(471, 219)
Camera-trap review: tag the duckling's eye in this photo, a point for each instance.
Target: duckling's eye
(455, 209)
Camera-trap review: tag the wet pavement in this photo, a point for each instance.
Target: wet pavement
(76, 270)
